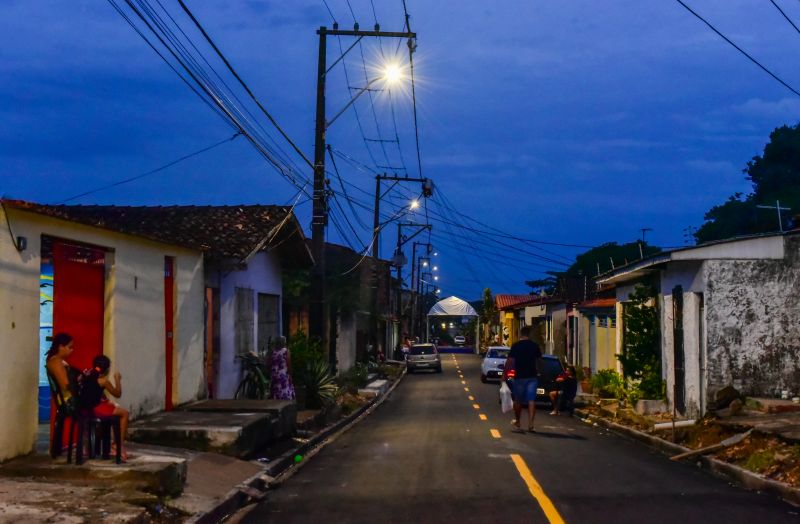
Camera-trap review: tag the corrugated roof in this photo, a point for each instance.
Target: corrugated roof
(221, 232)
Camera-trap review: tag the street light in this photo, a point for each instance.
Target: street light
(414, 204)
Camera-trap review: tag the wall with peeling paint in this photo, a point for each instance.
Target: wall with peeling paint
(753, 323)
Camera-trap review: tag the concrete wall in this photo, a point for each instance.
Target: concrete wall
(346, 342)
(262, 275)
(753, 323)
(690, 276)
(557, 344)
(134, 330)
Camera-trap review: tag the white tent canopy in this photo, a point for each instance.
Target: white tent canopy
(452, 307)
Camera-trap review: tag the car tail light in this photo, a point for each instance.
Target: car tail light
(511, 373)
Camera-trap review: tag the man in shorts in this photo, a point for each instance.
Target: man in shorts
(522, 358)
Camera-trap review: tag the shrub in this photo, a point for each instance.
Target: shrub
(608, 383)
(319, 383)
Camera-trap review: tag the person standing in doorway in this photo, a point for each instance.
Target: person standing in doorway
(523, 358)
(280, 372)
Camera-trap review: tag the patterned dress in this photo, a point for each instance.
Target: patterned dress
(281, 387)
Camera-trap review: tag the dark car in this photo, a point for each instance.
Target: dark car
(549, 367)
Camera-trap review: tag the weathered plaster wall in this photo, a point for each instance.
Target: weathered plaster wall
(134, 321)
(753, 323)
(262, 275)
(19, 336)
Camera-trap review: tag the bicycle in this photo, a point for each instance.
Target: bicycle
(254, 384)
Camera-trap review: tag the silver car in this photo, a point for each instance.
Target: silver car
(423, 356)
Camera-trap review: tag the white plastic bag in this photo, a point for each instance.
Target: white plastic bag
(506, 404)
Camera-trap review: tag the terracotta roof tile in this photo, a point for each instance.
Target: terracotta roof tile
(221, 232)
(506, 301)
(598, 303)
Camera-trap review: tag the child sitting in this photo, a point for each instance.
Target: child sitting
(96, 383)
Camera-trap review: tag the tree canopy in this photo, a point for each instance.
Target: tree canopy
(775, 175)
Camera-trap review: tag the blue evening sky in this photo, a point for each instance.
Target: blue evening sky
(574, 122)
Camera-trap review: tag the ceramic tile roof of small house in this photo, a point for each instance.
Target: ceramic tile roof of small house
(221, 232)
(598, 303)
(506, 301)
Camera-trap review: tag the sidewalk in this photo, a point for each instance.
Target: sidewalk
(174, 484)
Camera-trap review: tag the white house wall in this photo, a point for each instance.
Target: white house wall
(690, 276)
(262, 275)
(134, 321)
(19, 332)
(752, 325)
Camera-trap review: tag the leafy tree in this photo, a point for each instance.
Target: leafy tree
(775, 175)
(488, 314)
(641, 349)
(547, 285)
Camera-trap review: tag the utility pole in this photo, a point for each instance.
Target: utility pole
(318, 310)
(645, 230)
(427, 190)
(317, 317)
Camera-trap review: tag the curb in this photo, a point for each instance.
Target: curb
(283, 468)
(718, 468)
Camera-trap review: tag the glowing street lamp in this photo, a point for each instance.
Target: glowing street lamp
(414, 204)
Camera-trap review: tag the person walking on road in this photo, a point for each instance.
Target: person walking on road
(522, 359)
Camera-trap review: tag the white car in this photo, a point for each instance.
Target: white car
(460, 340)
(493, 363)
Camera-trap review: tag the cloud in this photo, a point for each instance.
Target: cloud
(785, 109)
(711, 166)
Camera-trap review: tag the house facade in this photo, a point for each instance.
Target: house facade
(729, 314)
(593, 329)
(137, 300)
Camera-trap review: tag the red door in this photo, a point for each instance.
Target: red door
(169, 321)
(78, 301)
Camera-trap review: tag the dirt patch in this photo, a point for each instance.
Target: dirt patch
(767, 456)
(704, 433)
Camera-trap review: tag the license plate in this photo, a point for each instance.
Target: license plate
(540, 391)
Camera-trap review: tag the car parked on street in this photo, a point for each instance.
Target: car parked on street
(493, 363)
(423, 356)
(548, 367)
(460, 340)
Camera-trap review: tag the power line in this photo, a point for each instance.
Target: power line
(742, 51)
(243, 84)
(785, 15)
(151, 172)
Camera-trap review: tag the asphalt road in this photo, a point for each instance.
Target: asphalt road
(426, 455)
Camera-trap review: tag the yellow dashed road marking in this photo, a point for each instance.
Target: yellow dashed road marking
(471, 397)
(466, 389)
(463, 381)
(482, 417)
(476, 406)
(495, 433)
(536, 490)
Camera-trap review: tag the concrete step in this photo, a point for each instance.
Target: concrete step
(230, 433)
(374, 388)
(160, 474)
(284, 412)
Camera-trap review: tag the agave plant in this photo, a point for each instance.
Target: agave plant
(320, 386)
